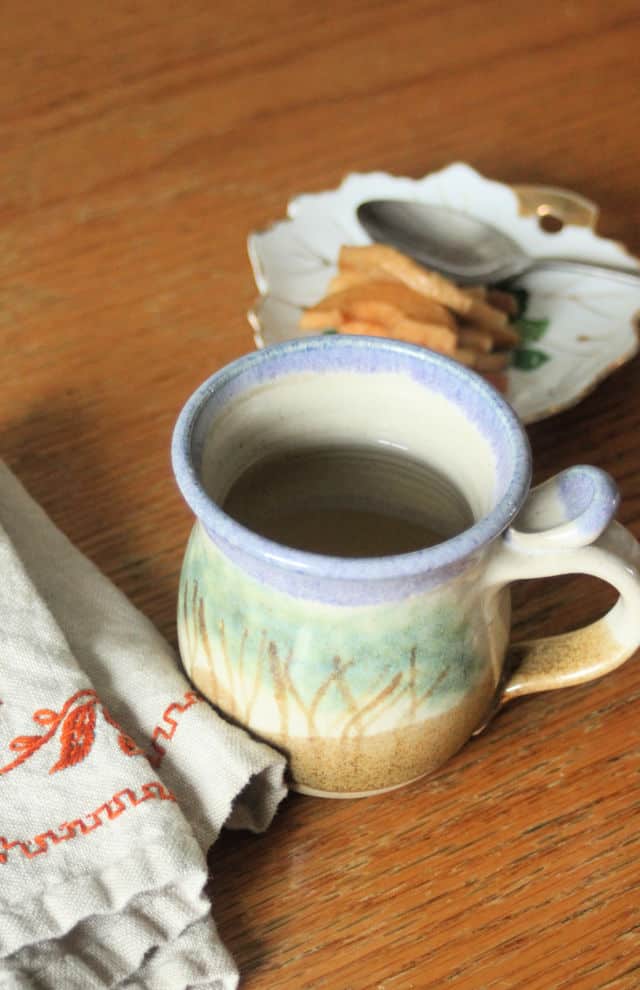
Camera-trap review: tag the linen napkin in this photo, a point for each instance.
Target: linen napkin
(115, 778)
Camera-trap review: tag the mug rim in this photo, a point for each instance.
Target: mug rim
(404, 565)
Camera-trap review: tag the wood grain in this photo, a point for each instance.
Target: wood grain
(140, 143)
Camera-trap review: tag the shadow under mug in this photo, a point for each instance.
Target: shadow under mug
(371, 672)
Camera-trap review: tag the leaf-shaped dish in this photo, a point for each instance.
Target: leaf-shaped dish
(575, 329)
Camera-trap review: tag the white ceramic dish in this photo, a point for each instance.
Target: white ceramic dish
(575, 329)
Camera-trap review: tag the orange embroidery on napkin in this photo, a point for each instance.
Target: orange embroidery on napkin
(112, 808)
(78, 731)
(190, 698)
(128, 745)
(76, 737)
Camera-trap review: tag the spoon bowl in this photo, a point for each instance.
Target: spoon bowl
(468, 250)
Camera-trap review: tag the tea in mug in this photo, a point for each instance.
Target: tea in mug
(348, 501)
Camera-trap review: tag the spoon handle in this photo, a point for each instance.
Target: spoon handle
(628, 276)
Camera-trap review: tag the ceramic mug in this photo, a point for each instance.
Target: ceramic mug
(371, 672)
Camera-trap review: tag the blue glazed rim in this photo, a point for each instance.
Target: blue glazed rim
(255, 367)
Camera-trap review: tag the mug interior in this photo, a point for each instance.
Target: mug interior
(469, 456)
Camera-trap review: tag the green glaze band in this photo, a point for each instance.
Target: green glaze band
(360, 687)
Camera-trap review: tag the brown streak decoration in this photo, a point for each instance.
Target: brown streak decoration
(293, 691)
(427, 694)
(206, 645)
(241, 653)
(191, 620)
(280, 686)
(338, 669)
(382, 695)
(412, 684)
(229, 667)
(255, 688)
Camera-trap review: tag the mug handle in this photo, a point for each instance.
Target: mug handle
(566, 527)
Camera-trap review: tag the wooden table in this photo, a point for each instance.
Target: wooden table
(140, 143)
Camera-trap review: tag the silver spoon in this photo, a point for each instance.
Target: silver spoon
(463, 247)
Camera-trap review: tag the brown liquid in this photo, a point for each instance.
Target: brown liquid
(347, 502)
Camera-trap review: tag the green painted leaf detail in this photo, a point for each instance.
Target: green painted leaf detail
(531, 329)
(528, 358)
(325, 332)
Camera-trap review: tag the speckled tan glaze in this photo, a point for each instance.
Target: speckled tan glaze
(345, 767)
(559, 661)
(386, 760)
